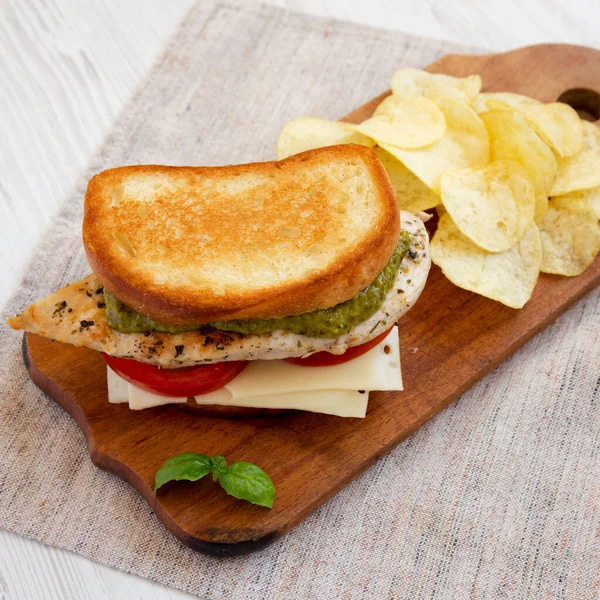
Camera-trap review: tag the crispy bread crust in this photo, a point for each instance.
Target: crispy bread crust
(307, 290)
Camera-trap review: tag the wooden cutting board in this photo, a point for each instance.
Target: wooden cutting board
(450, 339)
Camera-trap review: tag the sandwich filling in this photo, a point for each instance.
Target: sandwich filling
(341, 390)
(323, 323)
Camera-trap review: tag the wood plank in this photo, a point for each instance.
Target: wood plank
(451, 337)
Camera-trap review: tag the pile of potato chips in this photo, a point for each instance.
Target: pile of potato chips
(516, 182)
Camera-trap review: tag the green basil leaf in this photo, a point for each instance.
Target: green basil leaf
(248, 482)
(188, 466)
(219, 466)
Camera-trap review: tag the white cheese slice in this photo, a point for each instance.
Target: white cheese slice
(140, 399)
(118, 388)
(377, 369)
(340, 390)
(343, 403)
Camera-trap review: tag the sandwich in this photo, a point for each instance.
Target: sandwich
(236, 289)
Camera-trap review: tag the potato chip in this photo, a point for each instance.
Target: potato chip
(556, 123)
(464, 144)
(590, 197)
(307, 133)
(411, 193)
(496, 105)
(582, 171)
(491, 205)
(570, 236)
(508, 277)
(513, 138)
(496, 100)
(415, 82)
(406, 122)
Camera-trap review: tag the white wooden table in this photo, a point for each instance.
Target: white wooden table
(66, 69)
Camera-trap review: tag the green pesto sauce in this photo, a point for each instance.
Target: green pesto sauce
(325, 323)
(126, 320)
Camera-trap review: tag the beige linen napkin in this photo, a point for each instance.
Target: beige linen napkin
(498, 497)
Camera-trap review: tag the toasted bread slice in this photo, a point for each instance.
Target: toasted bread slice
(187, 245)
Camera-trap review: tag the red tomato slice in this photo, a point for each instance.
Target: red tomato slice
(326, 359)
(180, 383)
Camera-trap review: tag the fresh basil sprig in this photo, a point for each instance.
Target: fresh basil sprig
(242, 480)
(188, 466)
(246, 481)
